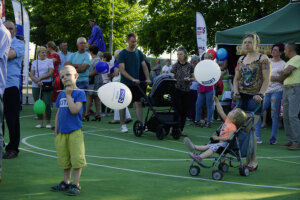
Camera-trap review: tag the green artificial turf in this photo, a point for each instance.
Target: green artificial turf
(122, 166)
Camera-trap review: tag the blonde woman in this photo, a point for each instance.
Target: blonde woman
(251, 81)
(41, 75)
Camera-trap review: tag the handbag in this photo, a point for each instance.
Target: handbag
(47, 86)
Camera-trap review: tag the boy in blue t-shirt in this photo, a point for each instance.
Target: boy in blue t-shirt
(68, 134)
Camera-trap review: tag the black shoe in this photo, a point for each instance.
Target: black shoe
(9, 154)
(86, 118)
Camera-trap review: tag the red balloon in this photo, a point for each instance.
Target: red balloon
(213, 53)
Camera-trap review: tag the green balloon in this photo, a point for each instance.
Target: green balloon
(39, 107)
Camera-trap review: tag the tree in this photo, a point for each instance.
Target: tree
(57, 20)
(171, 23)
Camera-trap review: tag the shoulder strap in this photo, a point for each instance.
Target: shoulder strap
(243, 58)
(37, 67)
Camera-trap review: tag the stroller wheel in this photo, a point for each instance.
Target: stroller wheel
(194, 170)
(176, 133)
(217, 175)
(160, 132)
(138, 128)
(244, 171)
(223, 167)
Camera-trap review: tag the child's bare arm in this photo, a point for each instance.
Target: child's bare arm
(218, 138)
(56, 123)
(74, 107)
(219, 108)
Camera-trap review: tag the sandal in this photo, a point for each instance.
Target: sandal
(97, 118)
(251, 168)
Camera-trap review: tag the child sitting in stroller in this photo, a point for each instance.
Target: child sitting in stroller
(233, 121)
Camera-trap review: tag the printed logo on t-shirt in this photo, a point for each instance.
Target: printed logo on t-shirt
(63, 103)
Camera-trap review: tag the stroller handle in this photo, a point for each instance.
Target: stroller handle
(254, 111)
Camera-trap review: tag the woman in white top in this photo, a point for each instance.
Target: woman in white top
(41, 76)
(274, 93)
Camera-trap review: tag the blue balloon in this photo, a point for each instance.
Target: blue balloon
(102, 67)
(222, 54)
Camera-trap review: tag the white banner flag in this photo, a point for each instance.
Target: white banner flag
(26, 31)
(201, 34)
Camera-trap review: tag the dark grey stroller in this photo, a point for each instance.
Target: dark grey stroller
(163, 119)
(239, 146)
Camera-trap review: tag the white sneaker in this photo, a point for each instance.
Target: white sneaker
(259, 141)
(124, 129)
(103, 115)
(48, 126)
(38, 126)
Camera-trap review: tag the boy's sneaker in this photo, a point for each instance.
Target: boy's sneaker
(195, 157)
(259, 141)
(73, 190)
(124, 129)
(61, 187)
(273, 141)
(189, 144)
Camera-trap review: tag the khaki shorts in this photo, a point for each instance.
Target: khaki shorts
(70, 150)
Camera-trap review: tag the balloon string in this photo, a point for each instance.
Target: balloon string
(40, 92)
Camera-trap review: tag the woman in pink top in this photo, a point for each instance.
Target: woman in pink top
(205, 97)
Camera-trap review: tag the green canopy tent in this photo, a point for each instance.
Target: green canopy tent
(280, 26)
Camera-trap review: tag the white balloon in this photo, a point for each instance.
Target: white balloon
(207, 72)
(115, 95)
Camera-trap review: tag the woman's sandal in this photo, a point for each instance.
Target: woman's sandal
(251, 168)
(97, 118)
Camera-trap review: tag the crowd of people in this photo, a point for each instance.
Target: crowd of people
(57, 75)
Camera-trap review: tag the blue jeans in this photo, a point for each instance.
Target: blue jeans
(205, 98)
(273, 100)
(247, 104)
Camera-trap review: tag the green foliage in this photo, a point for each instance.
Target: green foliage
(66, 20)
(171, 23)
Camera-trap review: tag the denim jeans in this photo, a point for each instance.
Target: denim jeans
(291, 108)
(205, 98)
(273, 100)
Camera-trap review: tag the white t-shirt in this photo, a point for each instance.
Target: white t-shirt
(276, 69)
(167, 69)
(40, 68)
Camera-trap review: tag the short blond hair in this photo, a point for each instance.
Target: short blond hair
(71, 67)
(255, 41)
(239, 117)
(41, 48)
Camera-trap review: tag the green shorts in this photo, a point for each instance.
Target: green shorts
(70, 150)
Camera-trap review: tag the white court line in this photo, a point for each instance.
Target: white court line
(173, 176)
(284, 161)
(24, 140)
